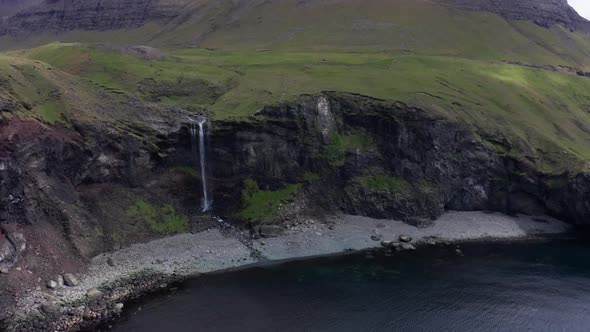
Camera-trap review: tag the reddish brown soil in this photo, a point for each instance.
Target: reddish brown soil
(48, 253)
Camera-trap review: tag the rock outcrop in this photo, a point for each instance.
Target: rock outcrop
(54, 16)
(12, 245)
(375, 158)
(545, 13)
(383, 160)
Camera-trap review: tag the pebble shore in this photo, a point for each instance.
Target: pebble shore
(142, 268)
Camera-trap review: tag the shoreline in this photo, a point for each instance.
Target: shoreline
(141, 269)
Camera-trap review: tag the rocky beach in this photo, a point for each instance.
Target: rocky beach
(113, 278)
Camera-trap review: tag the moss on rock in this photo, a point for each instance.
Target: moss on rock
(162, 219)
(260, 205)
(384, 182)
(335, 152)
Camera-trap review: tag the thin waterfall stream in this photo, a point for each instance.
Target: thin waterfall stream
(206, 205)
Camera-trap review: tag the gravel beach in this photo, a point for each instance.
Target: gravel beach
(188, 255)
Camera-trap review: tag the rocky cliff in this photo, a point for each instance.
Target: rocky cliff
(10, 7)
(67, 15)
(544, 13)
(384, 160)
(338, 152)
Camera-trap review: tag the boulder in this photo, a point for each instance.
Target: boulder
(93, 293)
(376, 236)
(386, 244)
(118, 307)
(51, 284)
(70, 280)
(431, 242)
(405, 238)
(8, 255)
(7, 251)
(60, 281)
(18, 241)
(408, 247)
(50, 308)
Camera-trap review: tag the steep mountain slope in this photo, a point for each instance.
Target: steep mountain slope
(133, 13)
(401, 26)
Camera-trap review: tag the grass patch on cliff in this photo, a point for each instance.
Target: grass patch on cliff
(161, 219)
(384, 182)
(40, 92)
(260, 205)
(335, 152)
(188, 170)
(52, 113)
(311, 177)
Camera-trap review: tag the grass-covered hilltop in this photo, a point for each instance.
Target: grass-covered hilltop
(542, 111)
(391, 109)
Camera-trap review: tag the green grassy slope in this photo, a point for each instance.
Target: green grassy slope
(397, 26)
(542, 114)
(31, 91)
(37, 90)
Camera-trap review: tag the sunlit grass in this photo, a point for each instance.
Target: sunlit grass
(539, 112)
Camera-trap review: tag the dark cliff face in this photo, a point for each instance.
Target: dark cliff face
(412, 165)
(378, 159)
(543, 12)
(10, 7)
(368, 157)
(67, 15)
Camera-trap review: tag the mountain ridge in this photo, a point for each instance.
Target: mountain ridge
(189, 23)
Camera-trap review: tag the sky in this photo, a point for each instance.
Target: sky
(581, 6)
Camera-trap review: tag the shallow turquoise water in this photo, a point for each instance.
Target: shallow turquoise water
(494, 287)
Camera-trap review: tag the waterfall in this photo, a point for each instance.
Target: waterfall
(201, 159)
(203, 165)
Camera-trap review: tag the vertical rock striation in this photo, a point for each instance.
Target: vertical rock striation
(67, 15)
